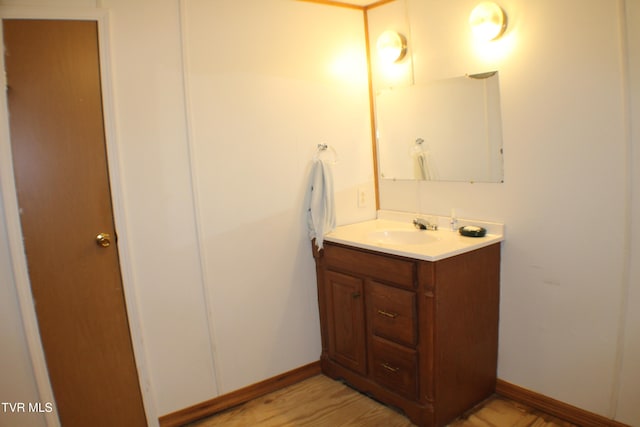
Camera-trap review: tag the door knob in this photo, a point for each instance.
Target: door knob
(103, 239)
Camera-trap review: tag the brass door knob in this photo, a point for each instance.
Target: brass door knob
(103, 239)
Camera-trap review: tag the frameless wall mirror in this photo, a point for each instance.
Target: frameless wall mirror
(445, 130)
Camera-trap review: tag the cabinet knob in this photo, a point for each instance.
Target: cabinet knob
(356, 295)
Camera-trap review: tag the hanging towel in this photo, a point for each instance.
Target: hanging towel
(321, 217)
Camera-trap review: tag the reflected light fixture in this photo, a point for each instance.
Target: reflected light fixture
(391, 46)
(488, 21)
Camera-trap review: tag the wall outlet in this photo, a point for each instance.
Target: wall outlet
(362, 197)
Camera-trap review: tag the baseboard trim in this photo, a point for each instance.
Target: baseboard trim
(229, 400)
(554, 407)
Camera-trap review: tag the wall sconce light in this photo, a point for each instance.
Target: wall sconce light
(391, 46)
(488, 21)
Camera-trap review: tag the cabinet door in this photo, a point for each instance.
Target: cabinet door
(345, 318)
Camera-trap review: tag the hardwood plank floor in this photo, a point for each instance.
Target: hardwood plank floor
(322, 402)
(499, 411)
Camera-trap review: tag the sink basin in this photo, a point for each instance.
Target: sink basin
(402, 237)
(392, 233)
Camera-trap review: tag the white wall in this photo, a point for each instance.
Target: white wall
(154, 155)
(17, 381)
(267, 83)
(564, 200)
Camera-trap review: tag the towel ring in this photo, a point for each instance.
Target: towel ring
(324, 150)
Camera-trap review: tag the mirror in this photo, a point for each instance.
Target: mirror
(445, 130)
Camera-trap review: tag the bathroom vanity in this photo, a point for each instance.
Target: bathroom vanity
(411, 319)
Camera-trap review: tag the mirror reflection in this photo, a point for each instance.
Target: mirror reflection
(445, 130)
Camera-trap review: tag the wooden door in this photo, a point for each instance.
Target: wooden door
(62, 183)
(345, 318)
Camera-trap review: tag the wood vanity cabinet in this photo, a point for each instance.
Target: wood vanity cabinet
(417, 335)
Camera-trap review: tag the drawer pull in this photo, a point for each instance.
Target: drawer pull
(387, 314)
(389, 367)
(355, 295)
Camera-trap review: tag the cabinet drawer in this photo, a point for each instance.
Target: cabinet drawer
(392, 313)
(395, 367)
(397, 271)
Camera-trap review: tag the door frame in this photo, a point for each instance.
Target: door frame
(12, 215)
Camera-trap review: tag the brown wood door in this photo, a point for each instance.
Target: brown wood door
(60, 165)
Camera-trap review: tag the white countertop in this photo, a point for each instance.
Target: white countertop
(426, 245)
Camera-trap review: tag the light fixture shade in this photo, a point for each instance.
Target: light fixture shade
(487, 21)
(391, 46)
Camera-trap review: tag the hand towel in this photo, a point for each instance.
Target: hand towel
(321, 217)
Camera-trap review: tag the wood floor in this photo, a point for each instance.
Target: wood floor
(322, 402)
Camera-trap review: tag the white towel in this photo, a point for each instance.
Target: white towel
(321, 216)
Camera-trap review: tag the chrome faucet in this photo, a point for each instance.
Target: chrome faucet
(423, 224)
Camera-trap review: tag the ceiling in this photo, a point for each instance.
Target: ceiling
(358, 2)
(348, 3)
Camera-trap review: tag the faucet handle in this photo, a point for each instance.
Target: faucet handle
(423, 224)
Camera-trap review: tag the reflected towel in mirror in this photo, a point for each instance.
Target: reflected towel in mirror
(422, 169)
